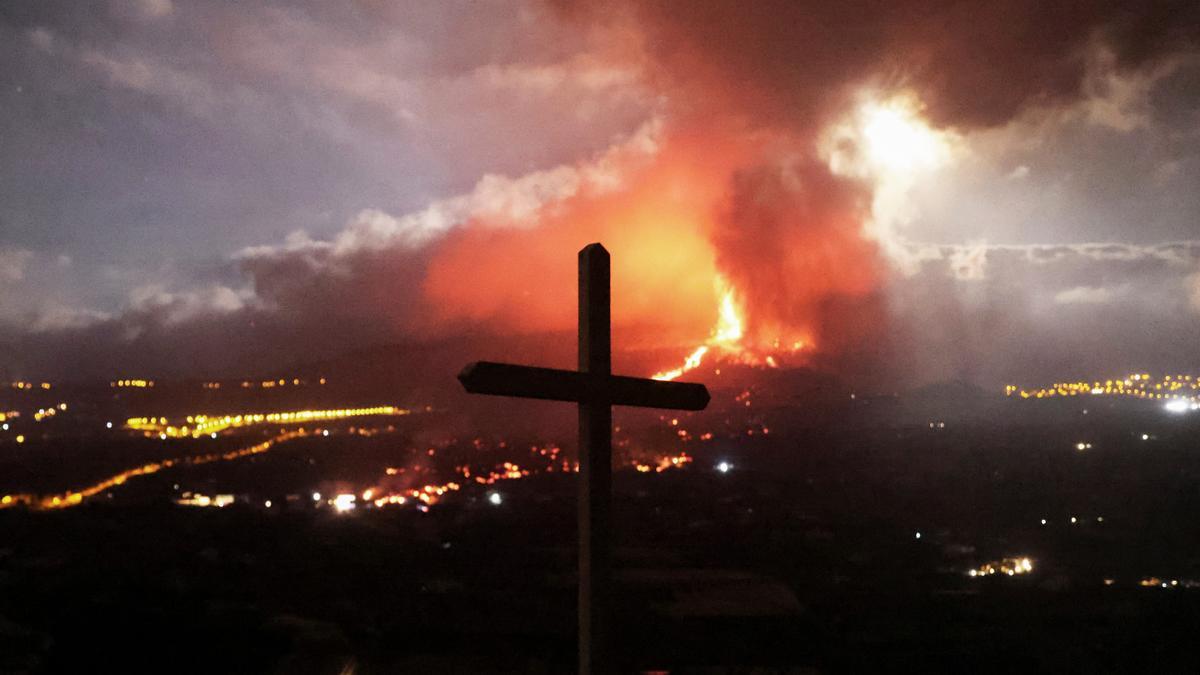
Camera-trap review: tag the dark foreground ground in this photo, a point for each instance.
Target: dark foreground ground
(804, 557)
(715, 577)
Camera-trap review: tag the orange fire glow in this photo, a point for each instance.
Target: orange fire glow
(794, 238)
(726, 342)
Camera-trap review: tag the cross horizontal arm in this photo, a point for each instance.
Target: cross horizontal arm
(504, 379)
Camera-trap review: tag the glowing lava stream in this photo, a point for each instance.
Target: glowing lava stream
(726, 336)
(726, 341)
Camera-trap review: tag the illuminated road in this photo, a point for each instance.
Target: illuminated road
(77, 496)
(195, 426)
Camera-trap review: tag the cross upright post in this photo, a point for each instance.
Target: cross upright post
(595, 462)
(596, 390)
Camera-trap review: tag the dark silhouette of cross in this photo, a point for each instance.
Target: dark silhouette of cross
(596, 390)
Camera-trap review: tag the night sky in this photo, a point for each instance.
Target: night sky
(990, 191)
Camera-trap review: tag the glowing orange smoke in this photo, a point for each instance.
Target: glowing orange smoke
(516, 280)
(793, 235)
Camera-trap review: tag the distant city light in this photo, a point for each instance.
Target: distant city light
(724, 467)
(267, 503)
(219, 501)
(195, 426)
(213, 435)
(1074, 519)
(108, 425)
(6, 426)
(918, 535)
(1043, 521)
(495, 498)
(325, 433)
(1145, 437)
(1081, 446)
(1178, 394)
(316, 496)
(1180, 406)
(344, 502)
(1006, 566)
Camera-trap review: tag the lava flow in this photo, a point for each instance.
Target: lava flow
(726, 342)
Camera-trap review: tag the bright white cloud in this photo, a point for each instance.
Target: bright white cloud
(173, 308)
(496, 200)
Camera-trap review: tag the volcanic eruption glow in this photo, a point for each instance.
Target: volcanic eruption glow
(798, 238)
(726, 341)
(725, 337)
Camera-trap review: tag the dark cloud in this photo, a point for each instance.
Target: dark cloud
(972, 63)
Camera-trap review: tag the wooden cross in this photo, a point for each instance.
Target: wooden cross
(596, 390)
